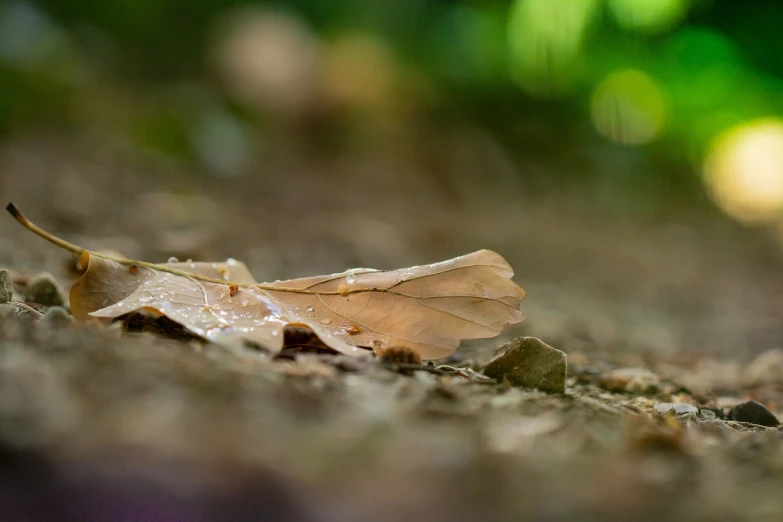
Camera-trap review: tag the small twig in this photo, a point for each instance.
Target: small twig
(395, 367)
(27, 307)
(442, 369)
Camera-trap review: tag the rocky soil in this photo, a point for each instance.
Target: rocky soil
(105, 423)
(669, 321)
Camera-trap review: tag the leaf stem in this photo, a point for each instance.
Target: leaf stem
(35, 229)
(77, 250)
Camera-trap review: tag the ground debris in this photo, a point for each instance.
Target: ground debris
(631, 380)
(323, 425)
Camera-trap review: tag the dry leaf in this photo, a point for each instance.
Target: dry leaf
(427, 308)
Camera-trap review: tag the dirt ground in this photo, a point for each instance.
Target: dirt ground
(663, 303)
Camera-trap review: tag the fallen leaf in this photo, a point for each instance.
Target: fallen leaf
(428, 309)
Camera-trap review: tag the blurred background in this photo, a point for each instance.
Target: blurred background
(625, 156)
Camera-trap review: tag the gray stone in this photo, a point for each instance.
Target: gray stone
(678, 408)
(529, 363)
(6, 286)
(44, 289)
(57, 316)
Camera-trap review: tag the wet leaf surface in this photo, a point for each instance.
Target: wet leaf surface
(428, 308)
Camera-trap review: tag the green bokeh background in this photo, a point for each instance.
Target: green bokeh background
(533, 71)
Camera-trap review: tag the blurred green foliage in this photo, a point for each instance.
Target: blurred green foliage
(669, 75)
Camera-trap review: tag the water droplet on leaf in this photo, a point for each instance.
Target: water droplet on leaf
(326, 320)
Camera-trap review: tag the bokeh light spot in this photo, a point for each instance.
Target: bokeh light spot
(648, 16)
(359, 71)
(628, 107)
(267, 59)
(545, 38)
(744, 171)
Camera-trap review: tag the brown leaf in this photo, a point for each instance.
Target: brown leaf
(428, 308)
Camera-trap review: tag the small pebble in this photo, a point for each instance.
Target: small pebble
(57, 316)
(705, 414)
(44, 289)
(6, 286)
(678, 408)
(529, 363)
(8, 310)
(755, 413)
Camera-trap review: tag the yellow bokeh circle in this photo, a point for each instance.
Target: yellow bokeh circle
(744, 171)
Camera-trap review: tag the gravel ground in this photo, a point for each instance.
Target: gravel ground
(676, 306)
